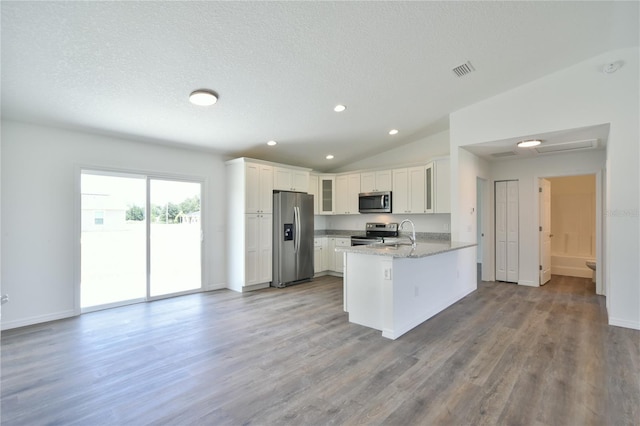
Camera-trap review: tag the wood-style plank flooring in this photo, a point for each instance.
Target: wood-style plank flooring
(505, 354)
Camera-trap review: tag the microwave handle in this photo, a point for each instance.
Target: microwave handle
(382, 201)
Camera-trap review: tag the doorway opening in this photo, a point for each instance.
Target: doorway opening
(483, 229)
(140, 238)
(569, 231)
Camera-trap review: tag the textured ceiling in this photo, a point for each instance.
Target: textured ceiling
(126, 68)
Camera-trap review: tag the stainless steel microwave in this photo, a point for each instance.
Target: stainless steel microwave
(374, 202)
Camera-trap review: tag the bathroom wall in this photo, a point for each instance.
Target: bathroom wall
(573, 224)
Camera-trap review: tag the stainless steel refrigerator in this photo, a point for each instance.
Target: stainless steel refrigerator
(292, 238)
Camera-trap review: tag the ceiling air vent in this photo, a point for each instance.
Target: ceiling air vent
(503, 154)
(463, 69)
(568, 146)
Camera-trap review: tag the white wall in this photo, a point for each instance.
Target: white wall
(419, 151)
(578, 96)
(39, 218)
(439, 223)
(527, 172)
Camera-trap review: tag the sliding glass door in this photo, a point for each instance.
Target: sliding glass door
(113, 239)
(175, 241)
(128, 255)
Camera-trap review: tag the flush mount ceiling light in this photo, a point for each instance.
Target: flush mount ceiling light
(329, 157)
(529, 143)
(393, 131)
(339, 108)
(272, 143)
(203, 97)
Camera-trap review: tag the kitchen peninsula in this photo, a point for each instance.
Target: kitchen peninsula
(396, 287)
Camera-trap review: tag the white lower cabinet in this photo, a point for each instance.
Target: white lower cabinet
(318, 255)
(258, 249)
(339, 257)
(326, 260)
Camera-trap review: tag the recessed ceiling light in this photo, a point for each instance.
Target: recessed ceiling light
(329, 157)
(393, 131)
(272, 143)
(339, 108)
(203, 97)
(529, 143)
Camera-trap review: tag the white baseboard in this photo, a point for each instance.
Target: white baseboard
(218, 286)
(7, 325)
(635, 325)
(529, 283)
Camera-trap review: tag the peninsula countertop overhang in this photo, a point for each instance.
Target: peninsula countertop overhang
(406, 250)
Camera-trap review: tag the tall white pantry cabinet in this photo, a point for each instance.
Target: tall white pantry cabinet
(250, 223)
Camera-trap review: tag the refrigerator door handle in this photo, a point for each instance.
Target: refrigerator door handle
(299, 229)
(296, 228)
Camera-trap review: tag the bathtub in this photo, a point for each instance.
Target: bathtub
(572, 266)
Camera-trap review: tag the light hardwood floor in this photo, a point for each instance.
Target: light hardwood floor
(505, 354)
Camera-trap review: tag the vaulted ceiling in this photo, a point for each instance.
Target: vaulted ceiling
(127, 68)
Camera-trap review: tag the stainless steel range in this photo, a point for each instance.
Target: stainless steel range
(375, 232)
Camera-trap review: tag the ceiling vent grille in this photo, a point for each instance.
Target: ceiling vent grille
(503, 154)
(463, 69)
(568, 146)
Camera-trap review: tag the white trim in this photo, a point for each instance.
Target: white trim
(600, 262)
(214, 286)
(528, 283)
(624, 323)
(112, 305)
(38, 319)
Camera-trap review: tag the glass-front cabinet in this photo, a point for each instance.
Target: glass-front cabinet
(327, 194)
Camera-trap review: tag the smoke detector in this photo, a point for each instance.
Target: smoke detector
(610, 68)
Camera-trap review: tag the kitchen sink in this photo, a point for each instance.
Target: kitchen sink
(396, 244)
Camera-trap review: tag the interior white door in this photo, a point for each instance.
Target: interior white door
(507, 238)
(544, 196)
(512, 231)
(501, 231)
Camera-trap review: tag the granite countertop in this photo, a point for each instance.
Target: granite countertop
(422, 249)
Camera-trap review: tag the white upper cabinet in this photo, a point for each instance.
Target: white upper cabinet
(327, 194)
(376, 181)
(258, 188)
(314, 185)
(408, 190)
(286, 179)
(437, 187)
(347, 190)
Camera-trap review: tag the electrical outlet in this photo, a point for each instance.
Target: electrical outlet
(387, 273)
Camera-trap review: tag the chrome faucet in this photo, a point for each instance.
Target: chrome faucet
(412, 237)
